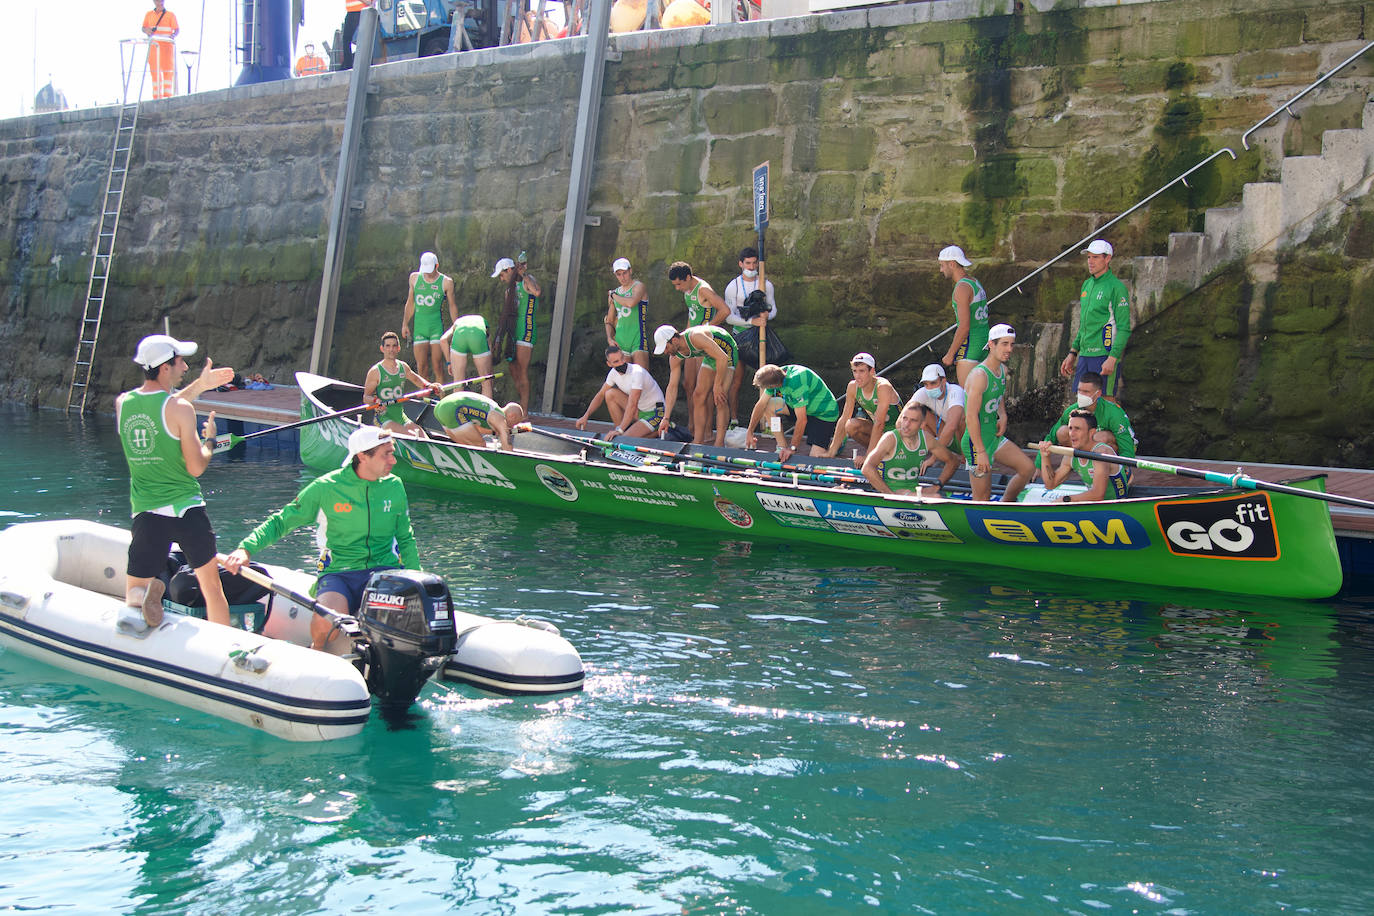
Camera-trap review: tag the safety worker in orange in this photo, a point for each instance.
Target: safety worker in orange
(310, 63)
(160, 25)
(353, 11)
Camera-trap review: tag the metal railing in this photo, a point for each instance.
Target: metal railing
(1181, 179)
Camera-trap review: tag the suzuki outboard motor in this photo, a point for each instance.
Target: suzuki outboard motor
(407, 620)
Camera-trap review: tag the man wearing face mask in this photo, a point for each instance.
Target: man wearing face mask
(1113, 426)
(633, 398)
(944, 403)
(736, 292)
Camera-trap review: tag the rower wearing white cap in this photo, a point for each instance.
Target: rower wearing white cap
(985, 442)
(970, 303)
(945, 404)
(363, 516)
(719, 356)
(1104, 325)
(627, 314)
(157, 429)
(428, 290)
(522, 299)
(877, 402)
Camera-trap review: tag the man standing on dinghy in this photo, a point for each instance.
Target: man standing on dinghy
(363, 516)
(157, 428)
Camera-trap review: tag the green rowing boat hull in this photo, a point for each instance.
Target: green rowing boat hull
(1245, 542)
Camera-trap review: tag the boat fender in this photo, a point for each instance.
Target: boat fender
(535, 623)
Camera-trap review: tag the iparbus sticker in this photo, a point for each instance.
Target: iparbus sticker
(1230, 528)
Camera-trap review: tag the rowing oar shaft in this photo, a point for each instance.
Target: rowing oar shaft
(228, 441)
(347, 624)
(1238, 480)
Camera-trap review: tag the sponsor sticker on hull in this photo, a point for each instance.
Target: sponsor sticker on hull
(557, 482)
(857, 518)
(1228, 528)
(1091, 529)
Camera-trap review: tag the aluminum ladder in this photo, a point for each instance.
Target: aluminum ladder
(103, 254)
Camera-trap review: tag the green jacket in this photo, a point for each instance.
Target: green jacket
(363, 524)
(1104, 317)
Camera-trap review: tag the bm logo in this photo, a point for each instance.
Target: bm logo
(1098, 529)
(1233, 528)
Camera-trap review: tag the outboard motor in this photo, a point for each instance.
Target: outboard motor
(407, 619)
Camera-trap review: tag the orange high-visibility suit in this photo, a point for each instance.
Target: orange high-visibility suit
(160, 25)
(309, 64)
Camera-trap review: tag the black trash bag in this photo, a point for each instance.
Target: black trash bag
(747, 341)
(755, 304)
(677, 433)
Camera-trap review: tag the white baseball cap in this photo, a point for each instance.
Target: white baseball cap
(933, 372)
(365, 439)
(157, 349)
(664, 334)
(1099, 246)
(865, 358)
(428, 261)
(954, 253)
(999, 331)
(503, 264)
(620, 264)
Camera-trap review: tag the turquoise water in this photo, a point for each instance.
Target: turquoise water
(764, 730)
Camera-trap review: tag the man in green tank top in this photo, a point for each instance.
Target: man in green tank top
(627, 314)
(970, 303)
(715, 348)
(871, 407)
(385, 383)
(984, 442)
(704, 306)
(157, 429)
(467, 416)
(895, 464)
(1104, 479)
(522, 295)
(428, 291)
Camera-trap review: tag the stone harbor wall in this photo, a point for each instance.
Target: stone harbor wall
(891, 132)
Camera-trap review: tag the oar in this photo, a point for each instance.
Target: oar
(348, 625)
(823, 470)
(229, 440)
(764, 476)
(1238, 480)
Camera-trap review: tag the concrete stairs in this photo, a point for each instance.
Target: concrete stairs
(1311, 192)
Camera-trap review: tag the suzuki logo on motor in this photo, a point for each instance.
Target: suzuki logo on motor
(1235, 528)
(389, 600)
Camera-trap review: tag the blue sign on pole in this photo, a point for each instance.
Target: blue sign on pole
(761, 197)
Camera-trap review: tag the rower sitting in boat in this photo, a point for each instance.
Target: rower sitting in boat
(385, 383)
(364, 521)
(1113, 426)
(871, 407)
(1104, 479)
(632, 397)
(944, 403)
(902, 455)
(469, 417)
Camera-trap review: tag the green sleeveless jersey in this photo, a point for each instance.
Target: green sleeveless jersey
(992, 399)
(390, 386)
(429, 297)
(157, 470)
(904, 467)
(870, 406)
(465, 407)
(697, 313)
(978, 318)
(722, 337)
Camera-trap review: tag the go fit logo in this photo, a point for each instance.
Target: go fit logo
(1232, 528)
(343, 507)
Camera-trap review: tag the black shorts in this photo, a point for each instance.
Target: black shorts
(819, 432)
(153, 536)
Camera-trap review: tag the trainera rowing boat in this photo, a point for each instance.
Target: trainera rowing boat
(1229, 540)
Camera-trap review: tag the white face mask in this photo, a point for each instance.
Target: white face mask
(1085, 401)
(750, 274)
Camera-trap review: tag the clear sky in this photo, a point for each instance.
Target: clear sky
(77, 43)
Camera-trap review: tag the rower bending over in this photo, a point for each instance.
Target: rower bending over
(468, 416)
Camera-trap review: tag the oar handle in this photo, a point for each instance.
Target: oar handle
(344, 622)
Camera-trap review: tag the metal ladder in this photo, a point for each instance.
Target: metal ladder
(89, 333)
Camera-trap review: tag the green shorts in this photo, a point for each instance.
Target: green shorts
(652, 415)
(470, 338)
(991, 447)
(429, 327)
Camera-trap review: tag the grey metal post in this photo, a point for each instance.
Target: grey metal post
(343, 194)
(575, 217)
